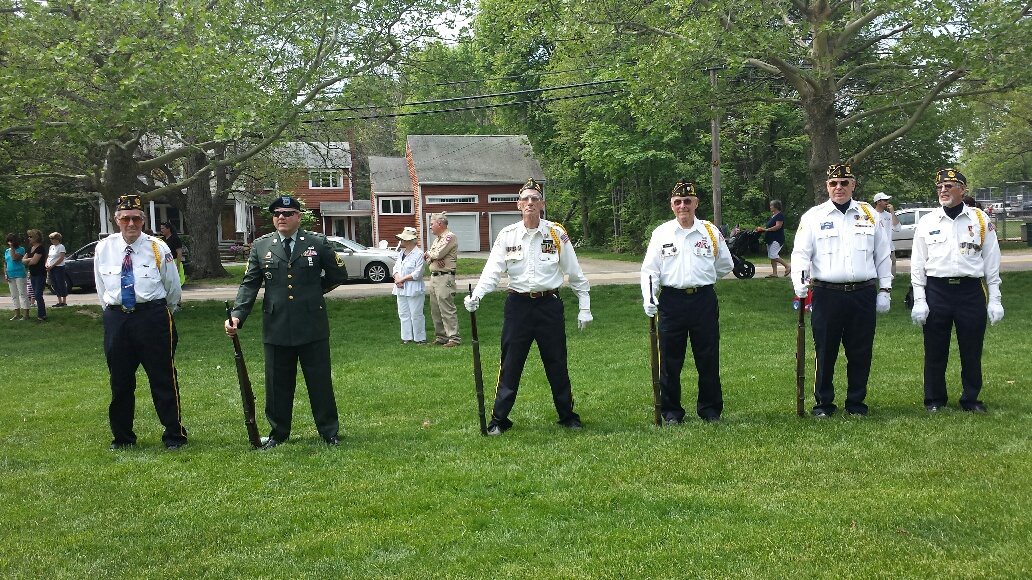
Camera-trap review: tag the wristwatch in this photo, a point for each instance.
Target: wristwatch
(889, 290)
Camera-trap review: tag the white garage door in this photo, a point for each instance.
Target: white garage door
(465, 226)
(500, 220)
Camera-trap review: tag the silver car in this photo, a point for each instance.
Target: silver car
(908, 218)
(372, 264)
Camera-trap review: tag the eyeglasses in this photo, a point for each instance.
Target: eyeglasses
(681, 201)
(530, 198)
(946, 186)
(284, 214)
(124, 219)
(833, 183)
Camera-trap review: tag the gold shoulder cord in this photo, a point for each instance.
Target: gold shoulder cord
(867, 211)
(157, 256)
(981, 224)
(713, 239)
(555, 238)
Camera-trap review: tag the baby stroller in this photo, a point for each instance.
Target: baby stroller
(739, 243)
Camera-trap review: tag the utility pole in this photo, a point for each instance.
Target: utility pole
(715, 148)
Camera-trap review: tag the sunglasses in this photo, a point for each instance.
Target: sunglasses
(681, 201)
(946, 186)
(843, 182)
(530, 198)
(136, 219)
(284, 214)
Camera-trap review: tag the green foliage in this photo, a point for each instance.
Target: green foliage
(416, 492)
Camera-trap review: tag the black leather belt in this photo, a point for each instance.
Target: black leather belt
(442, 272)
(686, 290)
(139, 305)
(847, 287)
(542, 294)
(958, 280)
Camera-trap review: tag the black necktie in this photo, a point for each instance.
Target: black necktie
(286, 244)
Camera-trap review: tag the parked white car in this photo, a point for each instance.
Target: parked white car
(371, 264)
(908, 218)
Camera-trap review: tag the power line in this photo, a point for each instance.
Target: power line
(456, 109)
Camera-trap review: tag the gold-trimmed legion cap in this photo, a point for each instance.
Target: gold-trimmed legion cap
(683, 188)
(532, 184)
(129, 202)
(840, 170)
(950, 174)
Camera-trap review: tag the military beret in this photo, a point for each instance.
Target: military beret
(285, 202)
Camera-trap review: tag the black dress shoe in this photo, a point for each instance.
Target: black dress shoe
(670, 422)
(977, 408)
(333, 440)
(269, 444)
(174, 446)
(821, 414)
(572, 424)
(122, 445)
(934, 408)
(712, 419)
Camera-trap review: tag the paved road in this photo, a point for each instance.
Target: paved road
(598, 271)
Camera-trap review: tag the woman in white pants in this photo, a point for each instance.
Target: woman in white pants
(410, 289)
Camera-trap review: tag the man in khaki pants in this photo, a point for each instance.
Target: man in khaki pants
(442, 257)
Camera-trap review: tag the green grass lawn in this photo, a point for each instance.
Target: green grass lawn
(416, 492)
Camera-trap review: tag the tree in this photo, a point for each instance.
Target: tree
(174, 97)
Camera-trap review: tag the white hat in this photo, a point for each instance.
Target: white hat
(880, 196)
(409, 233)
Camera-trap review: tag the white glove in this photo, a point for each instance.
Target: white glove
(471, 303)
(883, 302)
(583, 318)
(650, 309)
(920, 312)
(995, 312)
(800, 291)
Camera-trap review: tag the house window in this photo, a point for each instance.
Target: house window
(323, 179)
(438, 199)
(395, 205)
(504, 198)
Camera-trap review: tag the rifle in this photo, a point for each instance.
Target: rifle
(478, 374)
(800, 355)
(246, 394)
(654, 360)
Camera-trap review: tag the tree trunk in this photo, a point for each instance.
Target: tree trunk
(203, 210)
(821, 126)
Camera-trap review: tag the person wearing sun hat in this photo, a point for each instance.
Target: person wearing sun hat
(955, 272)
(409, 288)
(684, 258)
(842, 255)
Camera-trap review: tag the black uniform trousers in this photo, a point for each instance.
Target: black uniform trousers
(527, 320)
(145, 336)
(847, 319)
(694, 317)
(961, 304)
(281, 382)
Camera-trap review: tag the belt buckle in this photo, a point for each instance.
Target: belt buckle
(691, 290)
(127, 310)
(849, 286)
(954, 281)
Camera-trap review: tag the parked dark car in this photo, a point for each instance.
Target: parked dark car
(79, 266)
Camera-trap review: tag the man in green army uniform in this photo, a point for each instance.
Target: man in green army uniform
(297, 267)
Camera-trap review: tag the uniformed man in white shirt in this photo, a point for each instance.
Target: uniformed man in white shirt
(954, 268)
(843, 256)
(137, 284)
(535, 253)
(685, 257)
(888, 222)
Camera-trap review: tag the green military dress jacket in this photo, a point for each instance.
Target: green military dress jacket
(293, 310)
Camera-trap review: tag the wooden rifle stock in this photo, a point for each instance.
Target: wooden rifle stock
(654, 360)
(800, 356)
(246, 393)
(478, 374)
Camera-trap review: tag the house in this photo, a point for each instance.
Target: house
(475, 179)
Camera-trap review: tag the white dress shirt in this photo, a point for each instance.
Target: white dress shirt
(945, 248)
(885, 220)
(837, 247)
(535, 261)
(155, 275)
(684, 258)
(411, 263)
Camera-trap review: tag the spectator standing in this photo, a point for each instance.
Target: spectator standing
(171, 238)
(536, 254)
(775, 239)
(137, 284)
(443, 259)
(35, 260)
(685, 257)
(888, 222)
(954, 267)
(14, 272)
(55, 270)
(841, 249)
(297, 268)
(410, 289)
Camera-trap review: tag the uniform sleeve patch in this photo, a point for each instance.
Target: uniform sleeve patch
(449, 237)
(168, 257)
